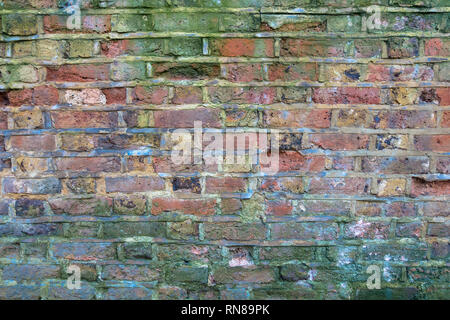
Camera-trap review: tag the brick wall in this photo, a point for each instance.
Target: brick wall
(86, 174)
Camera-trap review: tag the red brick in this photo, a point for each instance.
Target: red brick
(381, 72)
(292, 72)
(366, 230)
(112, 49)
(91, 24)
(343, 163)
(347, 95)
(305, 231)
(186, 206)
(294, 161)
(78, 73)
(88, 164)
(84, 251)
(242, 47)
(378, 73)
(45, 95)
(115, 95)
(235, 231)
(339, 186)
(409, 230)
(166, 165)
(441, 230)
(84, 119)
(445, 122)
(443, 165)
(33, 143)
(437, 47)
(297, 118)
(312, 48)
(285, 184)
(406, 165)
(224, 185)
(242, 95)
(230, 205)
(185, 118)
(82, 206)
(134, 184)
(400, 209)
(279, 207)
(244, 72)
(443, 96)
(185, 71)
(3, 120)
(436, 143)
(242, 275)
(150, 95)
(421, 187)
(98, 24)
(404, 119)
(20, 97)
(336, 141)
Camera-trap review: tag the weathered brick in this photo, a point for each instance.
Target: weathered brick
(437, 143)
(340, 141)
(150, 95)
(134, 229)
(186, 206)
(403, 47)
(433, 188)
(437, 47)
(33, 143)
(242, 95)
(186, 118)
(400, 209)
(189, 274)
(366, 230)
(295, 161)
(305, 231)
(339, 185)
(78, 73)
(224, 185)
(82, 164)
(413, 164)
(314, 48)
(130, 272)
(292, 72)
(84, 119)
(84, 251)
(235, 231)
(134, 184)
(29, 207)
(31, 186)
(235, 47)
(297, 118)
(347, 95)
(95, 206)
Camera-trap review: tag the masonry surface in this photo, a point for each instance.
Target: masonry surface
(87, 178)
